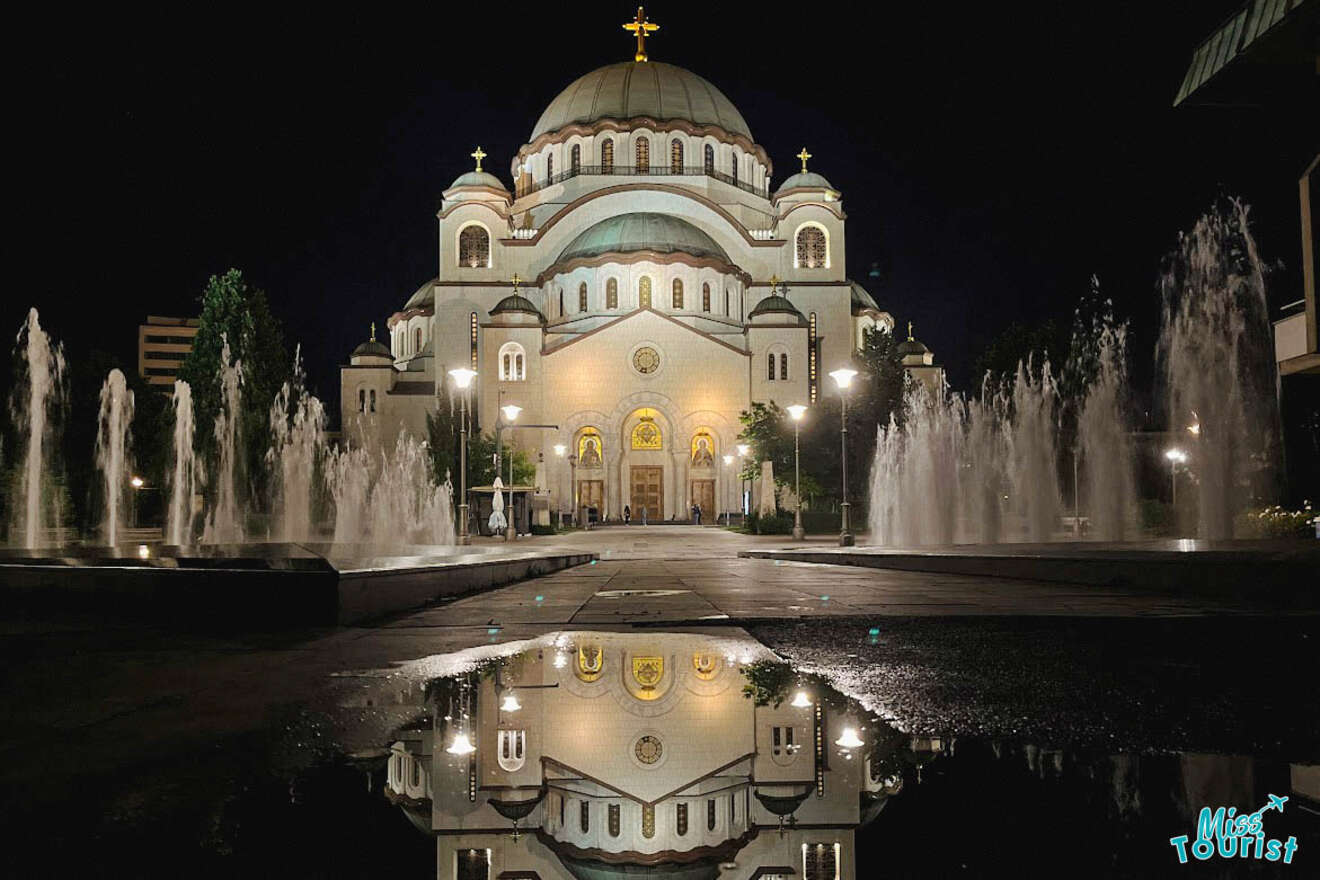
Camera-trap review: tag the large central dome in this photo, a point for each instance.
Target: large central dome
(629, 89)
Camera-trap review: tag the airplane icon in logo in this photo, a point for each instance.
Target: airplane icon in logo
(1276, 803)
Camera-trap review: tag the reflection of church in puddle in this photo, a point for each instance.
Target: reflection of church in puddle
(606, 755)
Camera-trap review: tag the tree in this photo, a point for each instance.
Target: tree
(443, 433)
(1017, 343)
(234, 311)
(481, 462)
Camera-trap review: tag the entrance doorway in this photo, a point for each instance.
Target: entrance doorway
(703, 494)
(591, 494)
(647, 493)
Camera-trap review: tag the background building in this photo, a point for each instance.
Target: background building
(163, 343)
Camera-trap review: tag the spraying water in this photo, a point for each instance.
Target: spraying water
(112, 444)
(187, 473)
(1106, 474)
(389, 501)
(1215, 351)
(224, 525)
(43, 363)
(298, 444)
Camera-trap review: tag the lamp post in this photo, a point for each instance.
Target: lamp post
(462, 381)
(728, 511)
(560, 449)
(1175, 457)
(843, 378)
(744, 502)
(797, 410)
(508, 413)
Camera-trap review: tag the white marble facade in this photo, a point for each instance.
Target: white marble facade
(647, 241)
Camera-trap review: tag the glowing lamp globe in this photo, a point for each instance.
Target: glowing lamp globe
(461, 745)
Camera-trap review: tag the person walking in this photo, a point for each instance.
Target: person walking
(696, 513)
(627, 514)
(643, 514)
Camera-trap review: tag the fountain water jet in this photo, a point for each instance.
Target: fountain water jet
(224, 525)
(44, 365)
(112, 443)
(297, 447)
(187, 473)
(1216, 354)
(1106, 472)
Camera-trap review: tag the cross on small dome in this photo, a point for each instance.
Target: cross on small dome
(478, 154)
(804, 156)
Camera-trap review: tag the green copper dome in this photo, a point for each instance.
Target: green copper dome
(623, 91)
(516, 302)
(628, 233)
(805, 180)
(479, 178)
(774, 304)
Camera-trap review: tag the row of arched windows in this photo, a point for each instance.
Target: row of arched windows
(365, 401)
(681, 811)
(677, 301)
(782, 359)
(641, 159)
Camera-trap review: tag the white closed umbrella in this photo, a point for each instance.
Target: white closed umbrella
(497, 520)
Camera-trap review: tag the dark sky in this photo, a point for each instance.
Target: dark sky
(991, 158)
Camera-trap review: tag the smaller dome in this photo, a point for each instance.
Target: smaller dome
(642, 231)
(774, 304)
(372, 348)
(861, 299)
(516, 302)
(805, 180)
(912, 346)
(479, 178)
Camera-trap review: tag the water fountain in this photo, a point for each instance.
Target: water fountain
(1104, 457)
(391, 500)
(112, 443)
(186, 475)
(224, 525)
(43, 362)
(298, 447)
(1215, 353)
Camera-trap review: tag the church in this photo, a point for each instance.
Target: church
(642, 283)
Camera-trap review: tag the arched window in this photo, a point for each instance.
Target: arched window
(474, 247)
(373, 400)
(734, 168)
(575, 159)
(417, 341)
(614, 820)
(549, 167)
(812, 251)
(416, 772)
(705, 297)
(783, 367)
(644, 292)
(710, 815)
(681, 819)
(561, 302)
(771, 356)
(710, 159)
(362, 400)
(607, 156)
(676, 156)
(643, 156)
(612, 294)
(585, 821)
(582, 297)
(513, 363)
(727, 313)
(678, 294)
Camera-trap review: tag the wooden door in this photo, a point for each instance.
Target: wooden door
(591, 493)
(647, 492)
(703, 494)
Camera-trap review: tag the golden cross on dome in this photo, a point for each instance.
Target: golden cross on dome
(478, 154)
(373, 331)
(516, 282)
(804, 156)
(909, 331)
(774, 284)
(641, 27)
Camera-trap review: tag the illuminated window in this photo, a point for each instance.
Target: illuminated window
(681, 819)
(820, 861)
(812, 251)
(473, 864)
(705, 297)
(710, 159)
(678, 293)
(644, 292)
(734, 168)
(575, 159)
(612, 294)
(474, 247)
(513, 366)
(614, 820)
(582, 297)
(549, 167)
(607, 156)
(676, 156)
(783, 367)
(771, 357)
(584, 817)
(512, 749)
(643, 156)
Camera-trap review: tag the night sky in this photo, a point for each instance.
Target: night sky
(990, 160)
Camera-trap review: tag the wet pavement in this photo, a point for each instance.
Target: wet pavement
(210, 741)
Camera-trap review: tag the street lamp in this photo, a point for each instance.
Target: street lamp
(728, 512)
(801, 701)
(1175, 457)
(849, 739)
(745, 502)
(843, 378)
(462, 381)
(560, 449)
(797, 410)
(510, 412)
